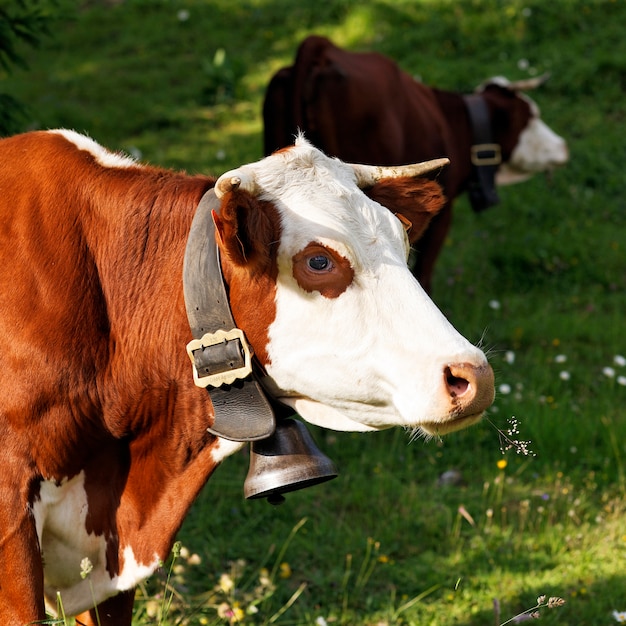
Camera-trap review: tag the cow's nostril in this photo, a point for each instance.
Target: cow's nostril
(457, 386)
(469, 387)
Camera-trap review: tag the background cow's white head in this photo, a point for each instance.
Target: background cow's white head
(538, 148)
(352, 342)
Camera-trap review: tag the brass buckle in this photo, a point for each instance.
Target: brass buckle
(494, 157)
(228, 376)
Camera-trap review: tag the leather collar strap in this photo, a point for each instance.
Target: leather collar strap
(486, 155)
(221, 357)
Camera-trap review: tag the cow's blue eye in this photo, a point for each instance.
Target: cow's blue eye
(319, 263)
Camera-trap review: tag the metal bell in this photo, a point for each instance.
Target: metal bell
(286, 461)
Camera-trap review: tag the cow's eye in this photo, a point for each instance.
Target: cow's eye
(320, 263)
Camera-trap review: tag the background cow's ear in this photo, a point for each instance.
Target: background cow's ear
(418, 200)
(246, 229)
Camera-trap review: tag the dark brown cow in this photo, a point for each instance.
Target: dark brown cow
(105, 439)
(362, 108)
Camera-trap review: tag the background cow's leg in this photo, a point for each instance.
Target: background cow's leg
(429, 245)
(116, 611)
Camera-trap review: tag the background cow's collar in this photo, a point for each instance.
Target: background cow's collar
(485, 155)
(242, 412)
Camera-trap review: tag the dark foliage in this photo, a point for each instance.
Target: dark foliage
(22, 22)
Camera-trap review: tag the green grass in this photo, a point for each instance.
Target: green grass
(541, 276)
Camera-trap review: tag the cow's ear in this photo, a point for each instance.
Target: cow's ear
(246, 230)
(417, 200)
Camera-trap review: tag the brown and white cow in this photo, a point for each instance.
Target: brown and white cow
(361, 107)
(103, 434)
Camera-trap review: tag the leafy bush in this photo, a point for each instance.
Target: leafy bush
(22, 22)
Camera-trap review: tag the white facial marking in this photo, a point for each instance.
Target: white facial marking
(102, 155)
(374, 356)
(538, 149)
(60, 513)
(325, 416)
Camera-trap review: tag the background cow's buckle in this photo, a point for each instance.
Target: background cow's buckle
(220, 358)
(486, 154)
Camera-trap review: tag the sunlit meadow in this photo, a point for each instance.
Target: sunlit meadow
(489, 525)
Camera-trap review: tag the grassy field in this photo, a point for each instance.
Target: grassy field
(540, 279)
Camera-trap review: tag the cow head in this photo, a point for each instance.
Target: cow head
(529, 145)
(318, 280)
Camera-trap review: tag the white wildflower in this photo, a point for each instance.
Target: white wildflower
(86, 567)
(509, 440)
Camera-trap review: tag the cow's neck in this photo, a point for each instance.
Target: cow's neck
(149, 401)
(461, 138)
(477, 154)
(138, 247)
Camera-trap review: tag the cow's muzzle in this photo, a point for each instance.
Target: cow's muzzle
(469, 390)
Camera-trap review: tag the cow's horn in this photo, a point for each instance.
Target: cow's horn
(367, 175)
(235, 179)
(526, 84)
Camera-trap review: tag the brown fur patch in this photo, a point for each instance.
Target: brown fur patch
(417, 200)
(332, 280)
(249, 234)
